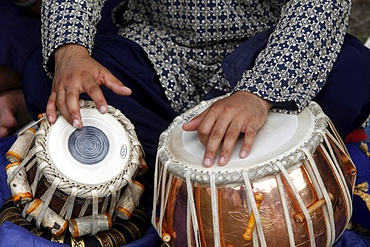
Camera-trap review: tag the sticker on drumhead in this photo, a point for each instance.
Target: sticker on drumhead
(92, 155)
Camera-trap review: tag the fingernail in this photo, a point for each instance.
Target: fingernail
(221, 160)
(128, 90)
(76, 123)
(207, 162)
(243, 154)
(103, 109)
(50, 118)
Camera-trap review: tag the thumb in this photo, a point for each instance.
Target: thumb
(193, 124)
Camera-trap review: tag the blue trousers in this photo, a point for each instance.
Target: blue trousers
(19, 36)
(345, 98)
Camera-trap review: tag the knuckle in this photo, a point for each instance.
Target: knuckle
(233, 132)
(247, 146)
(216, 135)
(225, 152)
(203, 140)
(60, 101)
(232, 135)
(210, 153)
(202, 131)
(92, 89)
(229, 109)
(250, 133)
(70, 96)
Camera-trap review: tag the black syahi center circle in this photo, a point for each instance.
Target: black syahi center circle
(88, 145)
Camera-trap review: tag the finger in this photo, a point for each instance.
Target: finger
(96, 94)
(7, 122)
(4, 131)
(214, 140)
(117, 86)
(228, 145)
(206, 126)
(7, 118)
(51, 108)
(249, 137)
(61, 105)
(72, 107)
(194, 123)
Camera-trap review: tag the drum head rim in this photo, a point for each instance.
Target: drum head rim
(177, 165)
(127, 167)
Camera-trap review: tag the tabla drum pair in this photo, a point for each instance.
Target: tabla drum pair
(294, 189)
(78, 179)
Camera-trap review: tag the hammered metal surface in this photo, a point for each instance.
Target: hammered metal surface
(233, 207)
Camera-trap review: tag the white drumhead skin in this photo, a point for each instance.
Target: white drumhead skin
(88, 174)
(281, 135)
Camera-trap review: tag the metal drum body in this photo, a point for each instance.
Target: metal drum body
(294, 189)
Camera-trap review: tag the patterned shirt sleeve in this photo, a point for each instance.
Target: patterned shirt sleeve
(66, 21)
(300, 53)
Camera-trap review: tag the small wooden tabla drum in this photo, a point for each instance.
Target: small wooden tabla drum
(79, 178)
(294, 189)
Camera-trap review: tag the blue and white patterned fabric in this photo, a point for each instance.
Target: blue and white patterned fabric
(187, 40)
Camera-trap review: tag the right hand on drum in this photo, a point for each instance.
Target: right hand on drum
(222, 123)
(76, 72)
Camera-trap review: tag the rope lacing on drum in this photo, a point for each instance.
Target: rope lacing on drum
(132, 188)
(161, 179)
(119, 182)
(171, 168)
(38, 175)
(67, 208)
(114, 199)
(192, 214)
(31, 125)
(46, 198)
(26, 161)
(336, 169)
(95, 206)
(319, 185)
(284, 204)
(300, 202)
(252, 208)
(84, 207)
(38, 155)
(215, 218)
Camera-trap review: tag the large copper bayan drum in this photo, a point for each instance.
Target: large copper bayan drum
(294, 189)
(77, 179)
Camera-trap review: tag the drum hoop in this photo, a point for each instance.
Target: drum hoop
(255, 173)
(104, 190)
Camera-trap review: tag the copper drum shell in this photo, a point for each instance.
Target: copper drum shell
(175, 217)
(234, 215)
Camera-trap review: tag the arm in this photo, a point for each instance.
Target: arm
(287, 74)
(68, 22)
(67, 46)
(300, 53)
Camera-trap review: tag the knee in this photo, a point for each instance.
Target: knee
(354, 60)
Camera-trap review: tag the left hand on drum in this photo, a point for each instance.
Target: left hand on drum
(224, 120)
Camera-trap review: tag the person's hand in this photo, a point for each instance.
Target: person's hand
(76, 72)
(222, 123)
(9, 79)
(13, 111)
